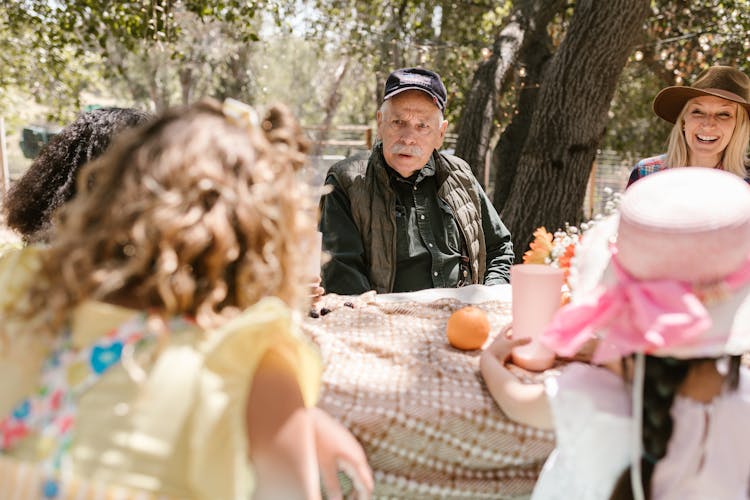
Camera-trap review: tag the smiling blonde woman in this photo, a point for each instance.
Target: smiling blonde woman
(711, 124)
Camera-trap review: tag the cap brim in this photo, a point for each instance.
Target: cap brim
(435, 98)
(669, 101)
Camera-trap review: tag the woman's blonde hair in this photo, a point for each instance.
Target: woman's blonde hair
(734, 158)
(194, 214)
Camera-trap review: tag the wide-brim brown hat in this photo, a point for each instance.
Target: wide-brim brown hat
(719, 81)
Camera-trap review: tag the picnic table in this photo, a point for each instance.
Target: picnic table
(419, 406)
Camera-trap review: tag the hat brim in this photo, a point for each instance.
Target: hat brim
(729, 332)
(435, 98)
(669, 101)
(730, 316)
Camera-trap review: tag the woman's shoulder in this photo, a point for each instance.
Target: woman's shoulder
(652, 161)
(647, 166)
(9, 240)
(729, 400)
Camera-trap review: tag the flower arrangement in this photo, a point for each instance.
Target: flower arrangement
(556, 249)
(559, 249)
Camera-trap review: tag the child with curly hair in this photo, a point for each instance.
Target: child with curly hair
(50, 181)
(154, 352)
(661, 411)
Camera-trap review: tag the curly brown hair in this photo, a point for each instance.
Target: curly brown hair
(193, 214)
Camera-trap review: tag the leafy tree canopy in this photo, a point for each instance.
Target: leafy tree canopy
(679, 41)
(162, 52)
(448, 36)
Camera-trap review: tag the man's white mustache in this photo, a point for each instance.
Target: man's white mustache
(401, 149)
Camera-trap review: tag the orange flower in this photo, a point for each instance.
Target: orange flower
(541, 247)
(564, 261)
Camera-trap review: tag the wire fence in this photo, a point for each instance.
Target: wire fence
(610, 171)
(329, 145)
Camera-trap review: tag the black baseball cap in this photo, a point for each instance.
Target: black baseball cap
(416, 79)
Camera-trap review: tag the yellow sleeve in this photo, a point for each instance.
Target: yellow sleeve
(268, 327)
(18, 267)
(232, 355)
(21, 352)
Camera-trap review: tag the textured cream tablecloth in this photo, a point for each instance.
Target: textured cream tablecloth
(420, 408)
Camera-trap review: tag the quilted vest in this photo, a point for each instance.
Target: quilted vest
(373, 204)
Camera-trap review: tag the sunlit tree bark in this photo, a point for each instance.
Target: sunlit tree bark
(570, 117)
(521, 35)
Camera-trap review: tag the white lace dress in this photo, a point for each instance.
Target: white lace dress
(708, 456)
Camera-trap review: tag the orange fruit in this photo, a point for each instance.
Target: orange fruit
(468, 328)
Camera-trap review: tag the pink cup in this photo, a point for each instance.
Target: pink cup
(536, 291)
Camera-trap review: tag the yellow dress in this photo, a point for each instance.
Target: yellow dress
(165, 422)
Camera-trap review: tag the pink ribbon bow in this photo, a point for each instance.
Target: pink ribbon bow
(639, 316)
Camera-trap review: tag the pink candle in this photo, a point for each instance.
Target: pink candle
(536, 292)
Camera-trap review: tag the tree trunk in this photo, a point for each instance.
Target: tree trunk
(477, 122)
(157, 82)
(185, 74)
(532, 59)
(332, 103)
(235, 82)
(570, 116)
(391, 56)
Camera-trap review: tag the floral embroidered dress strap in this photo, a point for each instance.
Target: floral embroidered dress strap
(66, 375)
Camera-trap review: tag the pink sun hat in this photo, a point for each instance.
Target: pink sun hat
(675, 278)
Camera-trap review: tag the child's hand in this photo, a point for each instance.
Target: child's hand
(520, 401)
(338, 449)
(316, 291)
(502, 346)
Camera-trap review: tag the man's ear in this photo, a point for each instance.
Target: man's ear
(441, 138)
(379, 120)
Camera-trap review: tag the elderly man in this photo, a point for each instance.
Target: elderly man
(406, 217)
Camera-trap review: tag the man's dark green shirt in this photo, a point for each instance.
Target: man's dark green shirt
(428, 240)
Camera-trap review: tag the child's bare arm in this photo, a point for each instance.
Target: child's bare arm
(524, 403)
(281, 434)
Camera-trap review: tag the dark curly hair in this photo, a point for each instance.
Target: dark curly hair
(50, 181)
(662, 380)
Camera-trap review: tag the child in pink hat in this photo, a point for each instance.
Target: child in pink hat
(661, 410)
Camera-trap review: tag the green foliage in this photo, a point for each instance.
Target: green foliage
(37, 61)
(447, 36)
(678, 43)
(634, 130)
(155, 53)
